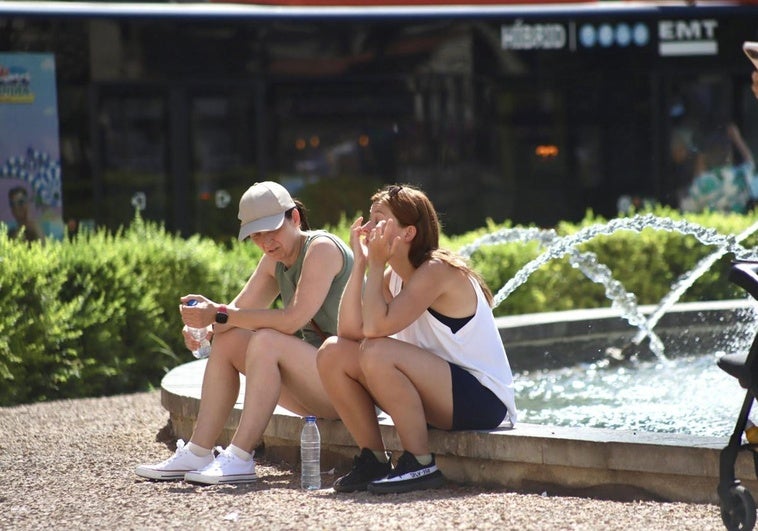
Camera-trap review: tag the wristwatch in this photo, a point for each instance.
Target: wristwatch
(222, 315)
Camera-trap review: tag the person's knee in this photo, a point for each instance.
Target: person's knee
(227, 345)
(264, 343)
(372, 357)
(327, 355)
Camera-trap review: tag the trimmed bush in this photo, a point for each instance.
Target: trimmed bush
(98, 314)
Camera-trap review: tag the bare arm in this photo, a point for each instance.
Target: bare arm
(384, 315)
(261, 289)
(350, 321)
(322, 262)
(431, 285)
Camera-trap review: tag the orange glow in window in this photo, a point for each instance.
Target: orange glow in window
(546, 151)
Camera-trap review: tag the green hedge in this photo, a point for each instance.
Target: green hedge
(647, 264)
(97, 314)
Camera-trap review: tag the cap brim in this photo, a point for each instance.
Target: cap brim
(261, 225)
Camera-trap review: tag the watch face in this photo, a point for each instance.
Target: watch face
(222, 317)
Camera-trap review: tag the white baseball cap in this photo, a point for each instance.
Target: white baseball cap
(262, 208)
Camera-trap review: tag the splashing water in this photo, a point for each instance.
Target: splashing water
(588, 264)
(684, 282)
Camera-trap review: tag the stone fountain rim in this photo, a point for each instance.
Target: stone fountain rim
(559, 339)
(529, 320)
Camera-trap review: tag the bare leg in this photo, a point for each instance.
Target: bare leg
(220, 385)
(281, 369)
(344, 382)
(413, 385)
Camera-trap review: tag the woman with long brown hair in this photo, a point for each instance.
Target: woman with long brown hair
(416, 337)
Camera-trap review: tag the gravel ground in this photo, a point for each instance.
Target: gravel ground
(70, 465)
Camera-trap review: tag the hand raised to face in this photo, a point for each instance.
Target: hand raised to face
(358, 234)
(382, 241)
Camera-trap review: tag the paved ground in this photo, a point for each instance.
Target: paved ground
(69, 465)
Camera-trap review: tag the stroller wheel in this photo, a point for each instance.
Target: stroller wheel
(738, 509)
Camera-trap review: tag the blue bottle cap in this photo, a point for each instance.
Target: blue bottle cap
(192, 302)
(310, 418)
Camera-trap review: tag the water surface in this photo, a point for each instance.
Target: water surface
(687, 394)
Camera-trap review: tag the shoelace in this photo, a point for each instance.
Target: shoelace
(224, 456)
(179, 448)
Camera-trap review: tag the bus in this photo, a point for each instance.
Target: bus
(529, 112)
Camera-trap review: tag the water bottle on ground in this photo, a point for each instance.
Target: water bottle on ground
(310, 455)
(201, 334)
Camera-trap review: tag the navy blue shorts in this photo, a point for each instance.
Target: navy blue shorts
(474, 406)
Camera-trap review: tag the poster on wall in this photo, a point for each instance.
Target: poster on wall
(31, 203)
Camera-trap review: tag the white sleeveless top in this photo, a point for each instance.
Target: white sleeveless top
(476, 347)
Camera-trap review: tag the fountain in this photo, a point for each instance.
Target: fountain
(623, 458)
(604, 393)
(588, 264)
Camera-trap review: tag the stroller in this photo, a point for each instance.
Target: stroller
(737, 504)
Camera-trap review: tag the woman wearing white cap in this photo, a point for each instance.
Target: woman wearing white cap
(274, 348)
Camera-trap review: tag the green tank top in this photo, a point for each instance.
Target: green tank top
(326, 316)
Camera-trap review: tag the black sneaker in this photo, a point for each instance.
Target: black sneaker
(366, 468)
(409, 475)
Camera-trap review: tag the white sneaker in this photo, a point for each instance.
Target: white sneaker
(226, 468)
(175, 466)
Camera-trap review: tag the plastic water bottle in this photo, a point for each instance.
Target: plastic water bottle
(205, 345)
(201, 334)
(310, 455)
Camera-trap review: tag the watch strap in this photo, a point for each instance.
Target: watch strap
(222, 314)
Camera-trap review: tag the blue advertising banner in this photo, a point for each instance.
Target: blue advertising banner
(30, 169)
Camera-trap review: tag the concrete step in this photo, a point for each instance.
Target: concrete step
(603, 463)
